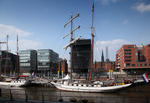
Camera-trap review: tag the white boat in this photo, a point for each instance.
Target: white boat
(22, 80)
(13, 83)
(94, 88)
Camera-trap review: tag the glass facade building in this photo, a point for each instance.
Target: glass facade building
(47, 62)
(28, 61)
(81, 56)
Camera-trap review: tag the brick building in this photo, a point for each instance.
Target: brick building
(133, 59)
(102, 67)
(62, 67)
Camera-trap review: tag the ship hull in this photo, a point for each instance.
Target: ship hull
(89, 89)
(14, 83)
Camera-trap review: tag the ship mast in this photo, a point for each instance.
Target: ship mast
(92, 34)
(17, 61)
(6, 64)
(71, 38)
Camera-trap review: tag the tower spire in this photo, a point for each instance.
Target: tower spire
(102, 57)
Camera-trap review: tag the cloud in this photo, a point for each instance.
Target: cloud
(112, 45)
(24, 41)
(23, 45)
(106, 2)
(12, 30)
(142, 7)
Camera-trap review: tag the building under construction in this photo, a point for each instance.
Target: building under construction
(81, 53)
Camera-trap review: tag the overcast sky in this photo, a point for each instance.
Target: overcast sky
(40, 23)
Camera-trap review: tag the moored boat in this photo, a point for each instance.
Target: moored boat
(94, 88)
(21, 81)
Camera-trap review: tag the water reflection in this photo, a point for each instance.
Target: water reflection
(136, 94)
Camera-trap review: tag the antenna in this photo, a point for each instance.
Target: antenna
(71, 37)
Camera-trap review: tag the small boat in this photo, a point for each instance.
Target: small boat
(93, 88)
(21, 81)
(13, 83)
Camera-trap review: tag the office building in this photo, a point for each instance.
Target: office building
(81, 56)
(28, 61)
(47, 62)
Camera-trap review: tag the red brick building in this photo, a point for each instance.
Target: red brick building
(133, 59)
(103, 66)
(63, 67)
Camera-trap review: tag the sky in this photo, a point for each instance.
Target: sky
(40, 24)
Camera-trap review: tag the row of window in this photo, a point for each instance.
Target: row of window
(141, 65)
(128, 60)
(127, 57)
(126, 53)
(24, 64)
(127, 49)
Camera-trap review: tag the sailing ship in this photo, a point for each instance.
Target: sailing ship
(88, 86)
(7, 79)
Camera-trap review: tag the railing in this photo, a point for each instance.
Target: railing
(128, 96)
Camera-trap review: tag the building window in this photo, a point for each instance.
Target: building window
(131, 47)
(127, 64)
(141, 65)
(127, 49)
(137, 64)
(145, 64)
(127, 60)
(127, 53)
(133, 65)
(127, 57)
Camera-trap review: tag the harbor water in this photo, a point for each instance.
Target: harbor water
(134, 94)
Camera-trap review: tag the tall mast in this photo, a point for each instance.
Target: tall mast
(92, 34)
(17, 61)
(71, 38)
(6, 64)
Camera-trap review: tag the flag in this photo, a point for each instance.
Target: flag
(93, 8)
(32, 75)
(145, 77)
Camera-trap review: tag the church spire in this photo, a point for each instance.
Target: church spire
(102, 57)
